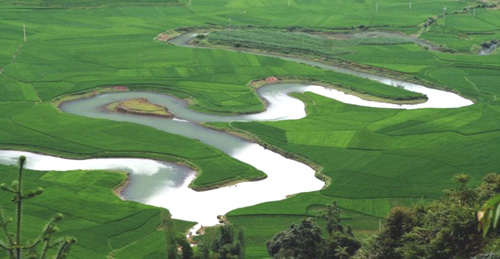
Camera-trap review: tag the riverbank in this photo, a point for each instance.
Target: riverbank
(350, 91)
(87, 93)
(228, 128)
(292, 176)
(190, 39)
(379, 75)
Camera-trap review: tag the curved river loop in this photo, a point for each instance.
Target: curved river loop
(165, 184)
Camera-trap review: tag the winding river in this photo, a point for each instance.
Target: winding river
(166, 184)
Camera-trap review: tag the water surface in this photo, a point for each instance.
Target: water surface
(166, 184)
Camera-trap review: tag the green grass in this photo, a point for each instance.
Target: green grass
(464, 32)
(294, 43)
(87, 3)
(139, 106)
(74, 136)
(410, 155)
(356, 145)
(378, 159)
(82, 196)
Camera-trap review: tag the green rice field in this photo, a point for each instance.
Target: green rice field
(375, 159)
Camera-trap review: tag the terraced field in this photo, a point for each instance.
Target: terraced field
(376, 158)
(126, 229)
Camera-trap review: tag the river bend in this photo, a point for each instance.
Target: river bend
(166, 184)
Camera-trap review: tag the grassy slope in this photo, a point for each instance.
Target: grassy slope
(356, 145)
(462, 32)
(294, 42)
(82, 196)
(377, 159)
(69, 135)
(68, 52)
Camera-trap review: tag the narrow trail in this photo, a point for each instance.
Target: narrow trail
(19, 49)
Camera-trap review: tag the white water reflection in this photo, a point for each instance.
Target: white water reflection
(436, 98)
(166, 184)
(50, 163)
(285, 177)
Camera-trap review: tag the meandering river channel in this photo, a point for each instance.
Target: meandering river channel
(166, 184)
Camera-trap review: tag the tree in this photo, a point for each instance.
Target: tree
(40, 246)
(203, 251)
(221, 242)
(305, 240)
(186, 249)
(445, 228)
(241, 243)
(332, 216)
(341, 242)
(167, 224)
(302, 240)
(462, 193)
(489, 214)
(225, 245)
(225, 237)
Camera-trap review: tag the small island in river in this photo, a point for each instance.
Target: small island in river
(140, 106)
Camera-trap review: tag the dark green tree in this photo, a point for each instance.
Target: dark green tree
(302, 240)
(305, 240)
(40, 246)
(341, 241)
(340, 245)
(240, 243)
(225, 245)
(332, 217)
(203, 251)
(221, 242)
(167, 224)
(186, 249)
(445, 228)
(225, 237)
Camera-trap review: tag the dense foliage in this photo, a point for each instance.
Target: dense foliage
(296, 42)
(305, 240)
(446, 228)
(376, 158)
(221, 242)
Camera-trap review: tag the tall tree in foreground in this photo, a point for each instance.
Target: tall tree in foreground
(167, 224)
(446, 228)
(341, 242)
(305, 240)
(225, 245)
(302, 240)
(39, 248)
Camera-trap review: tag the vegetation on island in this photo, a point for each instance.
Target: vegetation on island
(140, 106)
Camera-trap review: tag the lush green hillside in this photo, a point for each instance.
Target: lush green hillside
(379, 159)
(127, 228)
(376, 158)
